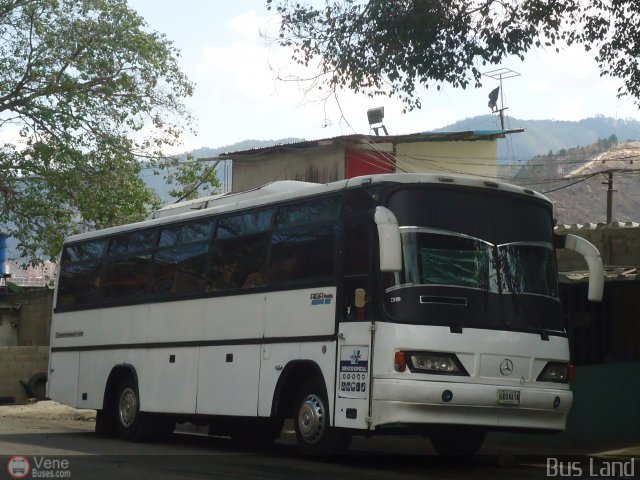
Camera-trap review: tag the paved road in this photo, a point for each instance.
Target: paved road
(192, 456)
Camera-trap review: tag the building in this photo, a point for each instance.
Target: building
(338, 158)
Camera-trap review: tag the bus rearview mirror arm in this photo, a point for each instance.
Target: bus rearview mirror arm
(594, 262)
(389, 239)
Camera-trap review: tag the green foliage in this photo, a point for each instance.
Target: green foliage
(386, 47)
(87, 92)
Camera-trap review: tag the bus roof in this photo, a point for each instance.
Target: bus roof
(283, 190)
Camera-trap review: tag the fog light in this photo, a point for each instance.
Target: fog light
(447, 396)
(556, 402)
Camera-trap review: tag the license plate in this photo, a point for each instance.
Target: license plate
(509, 397)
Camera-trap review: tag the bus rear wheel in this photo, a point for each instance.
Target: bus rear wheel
(312, 422)
(131, 423)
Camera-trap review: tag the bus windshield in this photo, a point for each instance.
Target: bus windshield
(486, 265)
(450, 259)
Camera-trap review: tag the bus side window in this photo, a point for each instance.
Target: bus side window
(128, 271)
(356, 263)
(180, 261)
(81, 274)
(302, 253)
(239, 251)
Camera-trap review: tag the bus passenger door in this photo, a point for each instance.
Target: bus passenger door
(355, 329)
(353, 376)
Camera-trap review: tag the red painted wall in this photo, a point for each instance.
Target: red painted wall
(363, 162)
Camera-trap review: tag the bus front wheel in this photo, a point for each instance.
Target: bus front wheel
(312, 422)
(131, 423)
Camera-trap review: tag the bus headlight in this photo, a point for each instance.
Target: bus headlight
(556, 372)
(435, 363)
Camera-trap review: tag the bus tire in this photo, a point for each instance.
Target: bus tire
(457, 441)
(131, 423)
(311, 418)
(105, 425)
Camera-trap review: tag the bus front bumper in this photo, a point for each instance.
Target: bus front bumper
(423, 402)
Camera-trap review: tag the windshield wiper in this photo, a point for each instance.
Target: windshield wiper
(503, 268)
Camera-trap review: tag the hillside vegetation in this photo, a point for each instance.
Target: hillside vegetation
(575, 179)
(540, 136)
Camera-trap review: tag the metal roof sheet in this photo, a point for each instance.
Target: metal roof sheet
(471, 135)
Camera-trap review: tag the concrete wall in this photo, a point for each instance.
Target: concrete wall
(618, 245)
(26, 352)
(605, 410)
(465, 157)
(320, 165)
(20, 364)
(34, 316)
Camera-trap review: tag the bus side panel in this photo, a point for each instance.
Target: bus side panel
(300, 313)
(228, 379)
(63, 377)
(95, 367)
(167, 378)
(297, 314)
(232, 318)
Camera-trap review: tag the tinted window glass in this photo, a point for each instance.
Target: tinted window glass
(357, 251)
(127, 276)
(169, 237)
(84, 251)
(245, 224)
(79, 284)
(180, 270)
(302, 253)
(313, 211)
(134, 242)
(196, 232)
(141, 241)
(238, 263)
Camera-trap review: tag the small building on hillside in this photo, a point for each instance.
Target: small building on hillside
(347, 156)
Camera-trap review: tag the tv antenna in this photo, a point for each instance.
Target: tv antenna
(499, 74)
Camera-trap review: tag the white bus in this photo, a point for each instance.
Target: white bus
(403, 302)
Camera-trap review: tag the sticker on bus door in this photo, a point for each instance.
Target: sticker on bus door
(354, 371)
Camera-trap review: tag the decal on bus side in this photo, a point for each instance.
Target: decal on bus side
(354, 371)
(321, 298)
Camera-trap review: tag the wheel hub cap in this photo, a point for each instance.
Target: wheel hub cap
(127, 407)
(311, 419)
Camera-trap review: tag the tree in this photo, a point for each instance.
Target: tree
(89, 98)
(386, 47)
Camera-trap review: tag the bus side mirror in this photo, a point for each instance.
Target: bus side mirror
(594, 262)
(389, 240)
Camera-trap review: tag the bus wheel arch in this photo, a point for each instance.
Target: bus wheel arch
(312, 421)
(105, 417)
(121, 414)
(294, 374)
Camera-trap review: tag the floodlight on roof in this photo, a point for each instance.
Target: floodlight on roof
(375, 117)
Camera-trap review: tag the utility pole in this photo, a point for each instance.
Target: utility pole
(610, 191)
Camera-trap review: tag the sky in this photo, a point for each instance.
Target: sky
(238, 95)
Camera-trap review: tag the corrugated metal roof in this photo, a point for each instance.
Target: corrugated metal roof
(611, 274)
(366, 139)
(577, 227)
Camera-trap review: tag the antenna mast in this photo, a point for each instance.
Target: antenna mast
(499, 74)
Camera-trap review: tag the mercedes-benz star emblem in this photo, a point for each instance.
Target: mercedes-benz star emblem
(506, 367)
